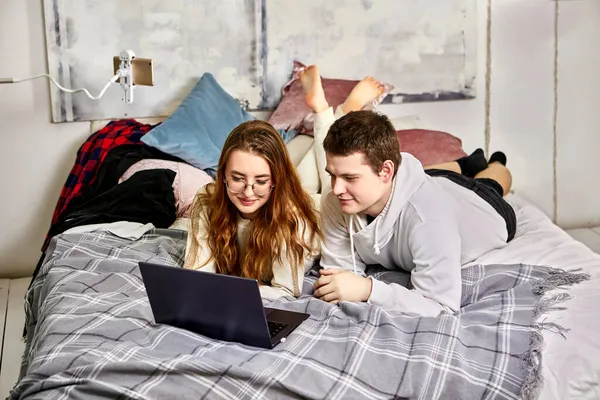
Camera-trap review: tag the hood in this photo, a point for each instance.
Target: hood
(408, 180)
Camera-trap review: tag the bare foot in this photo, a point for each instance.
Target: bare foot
(362, 94)
(311, 82)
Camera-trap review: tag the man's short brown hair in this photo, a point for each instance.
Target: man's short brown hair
(365, 132)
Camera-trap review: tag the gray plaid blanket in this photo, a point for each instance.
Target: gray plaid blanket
(91, 334)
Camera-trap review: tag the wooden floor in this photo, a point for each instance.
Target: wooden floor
(12, 315)
(12, 320)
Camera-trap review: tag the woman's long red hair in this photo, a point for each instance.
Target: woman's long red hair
(280, 224)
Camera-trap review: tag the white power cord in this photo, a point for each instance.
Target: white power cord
(113, 80)
(125, 72)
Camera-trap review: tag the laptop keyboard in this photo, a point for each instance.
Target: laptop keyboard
(275, 327)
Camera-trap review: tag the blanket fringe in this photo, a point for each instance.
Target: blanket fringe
(532, 363)
(558, 278)
(531, 360)
(546, 305)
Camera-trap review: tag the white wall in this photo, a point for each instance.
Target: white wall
(36, 155)
(579, 114)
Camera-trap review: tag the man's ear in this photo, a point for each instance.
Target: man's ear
(387, 171)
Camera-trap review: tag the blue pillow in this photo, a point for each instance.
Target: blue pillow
(197, 130)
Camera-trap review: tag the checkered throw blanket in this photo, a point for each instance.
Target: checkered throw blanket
(91, 334)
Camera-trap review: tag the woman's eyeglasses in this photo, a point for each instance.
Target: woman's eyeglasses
(239, 185)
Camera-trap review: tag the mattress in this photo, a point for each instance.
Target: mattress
(570, 364)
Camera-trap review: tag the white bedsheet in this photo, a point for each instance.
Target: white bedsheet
(571, 366)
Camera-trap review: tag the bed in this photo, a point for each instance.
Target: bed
(526, 329)
(90, 331)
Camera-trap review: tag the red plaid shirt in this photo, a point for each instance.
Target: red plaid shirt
(89, 157)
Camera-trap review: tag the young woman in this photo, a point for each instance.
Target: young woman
(255, 220)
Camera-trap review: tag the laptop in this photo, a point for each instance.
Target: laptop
(218, 306)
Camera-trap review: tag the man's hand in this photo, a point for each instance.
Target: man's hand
(337, 285)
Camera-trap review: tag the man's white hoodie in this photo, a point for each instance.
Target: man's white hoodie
(429, 227)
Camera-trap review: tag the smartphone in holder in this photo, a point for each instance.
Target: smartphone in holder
(142, 69)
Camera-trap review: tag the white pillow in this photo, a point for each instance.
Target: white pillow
(298, 147)
(316, 198)
(309, 174)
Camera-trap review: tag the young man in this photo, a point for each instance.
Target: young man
(385, 209)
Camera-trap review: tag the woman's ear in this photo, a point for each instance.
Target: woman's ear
(387, 171)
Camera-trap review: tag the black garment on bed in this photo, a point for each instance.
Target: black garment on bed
(119, 201)
(146, 197)
(489, 190)
(85, 206)
(114, 165)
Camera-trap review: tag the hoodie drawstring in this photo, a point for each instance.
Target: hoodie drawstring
(376, 244)
(352, 242)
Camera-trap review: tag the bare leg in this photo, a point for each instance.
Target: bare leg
(449, 166)
(498, 172)
(311, 82)
(315, 99)
(364, 92)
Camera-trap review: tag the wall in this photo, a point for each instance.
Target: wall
(579, 116)
(36, 155)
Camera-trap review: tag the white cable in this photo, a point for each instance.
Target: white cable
(113, 80)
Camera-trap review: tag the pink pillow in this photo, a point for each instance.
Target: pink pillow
(293, 113)
(430, 147)
(185, 186)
